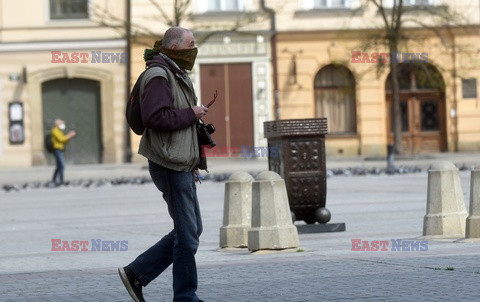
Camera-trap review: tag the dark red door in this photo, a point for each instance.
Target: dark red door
(232, 113)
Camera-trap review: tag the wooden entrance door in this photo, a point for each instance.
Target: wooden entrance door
(232, 113)
(423, 122)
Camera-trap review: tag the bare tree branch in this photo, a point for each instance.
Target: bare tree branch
(162, 12)
(381, 9)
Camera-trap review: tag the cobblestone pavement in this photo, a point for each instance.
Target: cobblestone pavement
(323, 269)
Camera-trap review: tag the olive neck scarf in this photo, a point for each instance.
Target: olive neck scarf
(184, 58)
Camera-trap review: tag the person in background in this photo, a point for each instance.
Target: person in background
(59, 140)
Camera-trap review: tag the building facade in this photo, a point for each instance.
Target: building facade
(263, 59)
(61, 62)
(328, 67)
(319, 52)
(233, 62)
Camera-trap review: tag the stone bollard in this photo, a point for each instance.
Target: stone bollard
(446, 212)
(237, 210)
(473, 220)
(272, 226)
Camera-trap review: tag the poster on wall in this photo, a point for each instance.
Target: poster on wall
(16, 134)
(16, 131)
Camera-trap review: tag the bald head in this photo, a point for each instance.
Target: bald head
(178, 38)
(59, 122)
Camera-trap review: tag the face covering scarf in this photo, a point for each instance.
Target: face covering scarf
(184, 58)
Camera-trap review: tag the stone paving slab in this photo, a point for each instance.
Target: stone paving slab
(217, 165)
(324, 269)
(299, 279)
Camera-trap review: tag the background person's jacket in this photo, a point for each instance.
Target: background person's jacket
(59, 139)
(170, 137)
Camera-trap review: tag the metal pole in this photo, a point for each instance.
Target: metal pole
(273, 42)
(390, 159)
(128, 145)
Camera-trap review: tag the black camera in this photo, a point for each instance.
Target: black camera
(203, 132)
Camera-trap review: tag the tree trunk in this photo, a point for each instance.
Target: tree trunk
(397, 113)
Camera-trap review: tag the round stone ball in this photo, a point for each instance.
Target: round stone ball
(323, 215)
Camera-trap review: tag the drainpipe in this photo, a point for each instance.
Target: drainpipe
(455, 101)
(273, 46)
(128, 145)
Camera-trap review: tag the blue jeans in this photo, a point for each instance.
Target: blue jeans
(60, 161)
(180, 245)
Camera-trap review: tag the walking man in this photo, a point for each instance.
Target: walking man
(170, 144)
(59, 140)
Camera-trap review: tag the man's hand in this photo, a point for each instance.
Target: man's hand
(197, 176)
(200, 111)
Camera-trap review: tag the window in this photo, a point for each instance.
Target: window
(329, 3)
(224, 5)
(68, 9)
(322, 4)
(469, 88)
(429, 113)
(410, 3)
(417, 2)
(335, 98)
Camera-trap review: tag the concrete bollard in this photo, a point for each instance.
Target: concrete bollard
(237, 210)
(272, 226)
(473, 220)
(446, 212)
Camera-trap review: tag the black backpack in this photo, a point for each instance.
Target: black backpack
(47, 140)
(133, 112)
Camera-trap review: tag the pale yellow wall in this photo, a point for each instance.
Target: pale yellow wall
(28, 20)
(468, 111)
(40, 69)
(27, 39)
(149, 19)
(292, 17)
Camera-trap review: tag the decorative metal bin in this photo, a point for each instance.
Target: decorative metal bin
(300, 161)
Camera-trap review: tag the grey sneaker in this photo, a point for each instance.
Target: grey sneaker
(133, 286)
